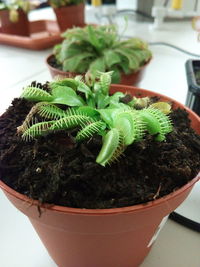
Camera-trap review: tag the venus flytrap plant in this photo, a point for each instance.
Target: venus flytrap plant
(88, 108)
(14, 7)
(99, 48)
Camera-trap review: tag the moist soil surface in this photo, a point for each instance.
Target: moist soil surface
(53, 63)
(56, 170)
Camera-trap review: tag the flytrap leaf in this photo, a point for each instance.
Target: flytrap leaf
(67, 96)
(50, 111)
(71, 121)
(36, 94)
(37, 129)
(72, 63)
(69, 82)
(112, 147)
(93, 38)
(156, 122)
(97, 65)
(134, 62)
(69, 49)
(111, 57)
(130, 124)
(105, 81)
(89, 130)
(89, 111)
(82, 87)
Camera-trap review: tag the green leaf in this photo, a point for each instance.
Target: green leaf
(96, 87)
(102, 100)
(92, 37)
(72, 63)
(36, 94)
(125, 66)
(130, 125)
(111, 148)
(124, 123)
(82, 87)
(97, 65)
(105, 81)
(67, 96)
(69, 49)
(37, 129)
(134, 63)
(70, 121)
(84, 90)
(116, 77)
(84, 66)
(69, 82)
(116, 105)
(91, 101)
(134, 43)
(156, 122)
(50, 111)
(108, 115)
(151, 121)
(57, 48)
(140, 55)
(111, 57)
(116, 96)
(87, 110)
(89, 130)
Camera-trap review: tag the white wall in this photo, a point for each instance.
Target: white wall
(126, 4)
(132, 4)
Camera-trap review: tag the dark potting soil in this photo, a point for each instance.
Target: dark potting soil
(53, 63)
(53, 169)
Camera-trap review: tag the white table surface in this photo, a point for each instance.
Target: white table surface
(176, 245)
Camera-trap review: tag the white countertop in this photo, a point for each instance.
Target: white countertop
(176, 245)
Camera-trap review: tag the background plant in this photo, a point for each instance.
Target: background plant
(92, 111)
(13, 8)
(62, 3)
(100, 48)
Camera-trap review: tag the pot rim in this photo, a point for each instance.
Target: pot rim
(62, 72)
(127, 209)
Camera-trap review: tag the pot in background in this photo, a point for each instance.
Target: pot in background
(70, 16)
(103, 238)
(21, 27)
(129, 79)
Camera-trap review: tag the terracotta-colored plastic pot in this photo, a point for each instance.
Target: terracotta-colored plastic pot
(21, 27)
(70, 16)
(130, 79)
(43, 34)
(118, 237)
